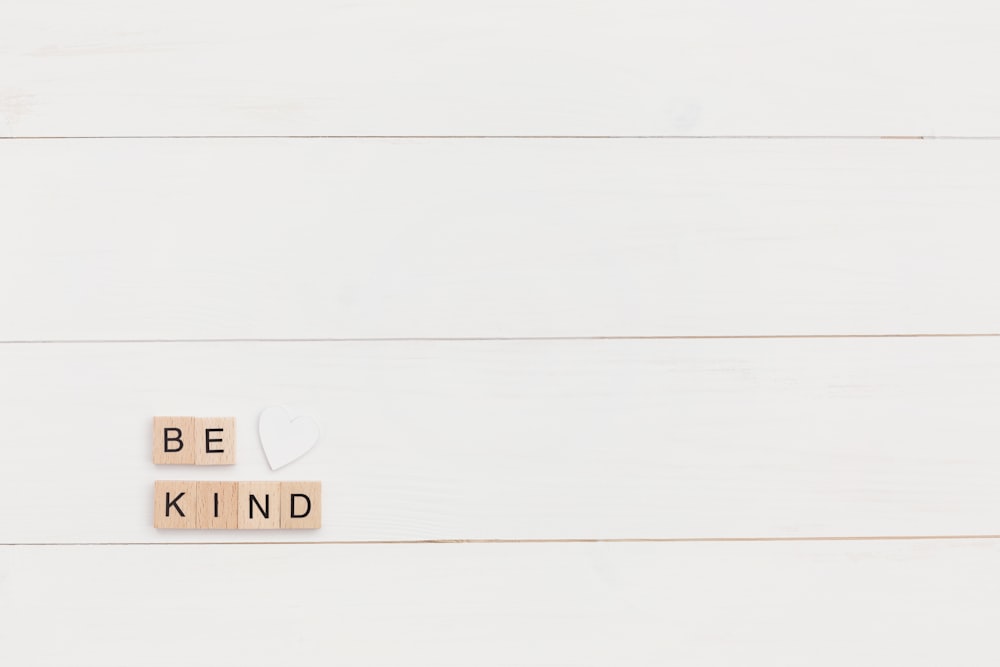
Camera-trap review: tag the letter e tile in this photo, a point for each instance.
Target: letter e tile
(215, 441)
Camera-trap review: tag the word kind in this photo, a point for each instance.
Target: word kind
(237, 505)
(200, 441)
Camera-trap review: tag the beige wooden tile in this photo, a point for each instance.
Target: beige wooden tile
(259, 505)
(301, 504)
(215, 441)
(217, 505)
(173, 440)
(175, 504)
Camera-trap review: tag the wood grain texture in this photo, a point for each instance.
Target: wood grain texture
(358, 239)
(175, 504)
(924, 604)
(215, 441)
(174, 440)
(526, 439)
(218, 505)
(259, 505)
(546, 440)
(448, 67)
(301, 505)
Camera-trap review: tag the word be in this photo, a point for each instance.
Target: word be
(237, 505)
(201, 441)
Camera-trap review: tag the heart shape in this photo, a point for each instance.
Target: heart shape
(284, 438)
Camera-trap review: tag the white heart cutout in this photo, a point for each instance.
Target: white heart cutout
(285, 438)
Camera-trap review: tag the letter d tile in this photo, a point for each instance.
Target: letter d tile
(301, 505)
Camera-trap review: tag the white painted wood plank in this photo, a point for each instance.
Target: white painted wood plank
(921, 603)
(526, 439)
(445, 67)
(312, 239)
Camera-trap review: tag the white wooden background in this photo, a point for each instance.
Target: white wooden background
(632, 338)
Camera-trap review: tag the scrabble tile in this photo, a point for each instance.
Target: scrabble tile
(215, 441)
(173, 440)
(301, 505)
(175, 504)
(259, 505)
(217, 505)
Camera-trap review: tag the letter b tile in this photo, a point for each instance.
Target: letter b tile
(173, 440)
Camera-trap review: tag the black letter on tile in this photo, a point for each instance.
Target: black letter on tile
(209, 440)
(265, 510)
(168, 439)
(174, 503)
(308, 505)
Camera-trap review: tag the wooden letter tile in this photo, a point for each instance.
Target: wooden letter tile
(301, 505)
(215, 441)
(173, 440)
(175, 505)
(217, 505)
(259, 505)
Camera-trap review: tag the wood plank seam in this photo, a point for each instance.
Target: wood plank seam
(613, 540)
(486, 339)
(630, 137)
